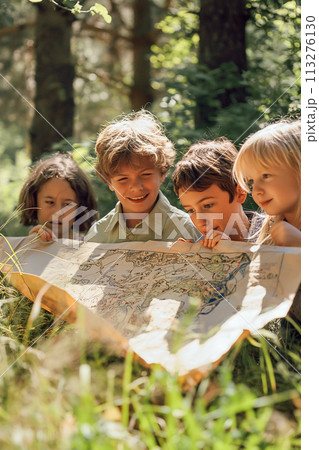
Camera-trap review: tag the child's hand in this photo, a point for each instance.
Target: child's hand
(286, 235)
(213, 237)
(45, 233)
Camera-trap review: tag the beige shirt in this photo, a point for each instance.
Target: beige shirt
(163, 223)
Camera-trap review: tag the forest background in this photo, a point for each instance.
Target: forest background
(205, 68)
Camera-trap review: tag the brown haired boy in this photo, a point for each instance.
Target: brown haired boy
(204, 183)
(134, 156)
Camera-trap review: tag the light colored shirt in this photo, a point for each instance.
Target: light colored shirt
(163, 223)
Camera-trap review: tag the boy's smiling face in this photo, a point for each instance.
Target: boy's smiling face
(136, 184)
(211, 208)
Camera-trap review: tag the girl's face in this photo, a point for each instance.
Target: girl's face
(276, 190)
(57, 201)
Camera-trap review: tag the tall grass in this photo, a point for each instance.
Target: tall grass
(61, 390)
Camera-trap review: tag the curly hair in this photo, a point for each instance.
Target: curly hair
(137, 134)
(56, 166)
(205, 163)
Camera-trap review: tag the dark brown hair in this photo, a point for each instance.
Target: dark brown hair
(207, 163)
(56, 166)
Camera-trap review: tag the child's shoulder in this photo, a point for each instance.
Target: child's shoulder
(163, 204)
(100, 229)
(114, 213)
(176, 220)
(255, 216)
(257, 222)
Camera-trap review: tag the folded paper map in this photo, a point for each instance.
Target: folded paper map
(178, 305)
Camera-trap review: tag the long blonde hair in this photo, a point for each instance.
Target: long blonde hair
(278, 144)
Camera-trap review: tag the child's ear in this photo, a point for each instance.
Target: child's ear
(241, 194)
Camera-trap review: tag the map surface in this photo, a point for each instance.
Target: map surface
(145, 293)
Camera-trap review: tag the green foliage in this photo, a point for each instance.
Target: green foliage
(12, 176)
(100, 9)
(76, 7)
(271, 82)
(180, 26)
(274, 52)
(175, 62)
(16, 314)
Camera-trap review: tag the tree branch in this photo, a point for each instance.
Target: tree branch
(16, 28)
(99, 30)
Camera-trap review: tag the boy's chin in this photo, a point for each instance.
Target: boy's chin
(206, 231)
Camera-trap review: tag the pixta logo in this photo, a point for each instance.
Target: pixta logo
(66, 223)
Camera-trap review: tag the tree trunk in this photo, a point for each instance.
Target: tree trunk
(54, 77)
(222, 41)
(142, 93)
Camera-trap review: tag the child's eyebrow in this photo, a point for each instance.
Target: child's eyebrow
(120, 174)
(65, 199)
(207, 198)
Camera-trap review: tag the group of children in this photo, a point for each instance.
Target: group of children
(211, 180)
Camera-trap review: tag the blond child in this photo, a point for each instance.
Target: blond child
(268, 166)
(134, 156)
(58, 199)
(204, 183)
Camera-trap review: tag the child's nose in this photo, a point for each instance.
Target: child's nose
(61, 211)
(200, 219)
(56, 208)
(137, 183)
(257, 187)
(200, 222)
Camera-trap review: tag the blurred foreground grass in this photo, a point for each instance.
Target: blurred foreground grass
(61, 390)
